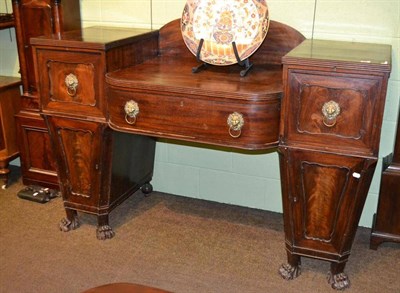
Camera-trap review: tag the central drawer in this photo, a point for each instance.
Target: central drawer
(162, 97)
(197, 118)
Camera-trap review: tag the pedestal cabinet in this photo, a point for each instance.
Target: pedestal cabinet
(9, 105)
(386, 222)
(98, 168)
(35, 18)
(330, 129)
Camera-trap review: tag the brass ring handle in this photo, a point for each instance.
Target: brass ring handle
(330, 110)
(131, 109)
(71, 82)
(235, 133)
(235, 122)
(130, 120)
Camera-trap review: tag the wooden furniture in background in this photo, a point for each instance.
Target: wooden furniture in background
(9, 105)
(6, 20)
(386, 223)
(35, 18)
(330, 130)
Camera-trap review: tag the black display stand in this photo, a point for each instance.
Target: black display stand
(244, 63)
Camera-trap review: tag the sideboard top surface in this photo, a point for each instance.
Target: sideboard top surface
(171, 70)
(352, 54)
(175, 75)
(96, 37)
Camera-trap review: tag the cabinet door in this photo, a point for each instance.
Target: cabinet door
(37, 161)
(80, 149)
(324, 197)
(387, 218)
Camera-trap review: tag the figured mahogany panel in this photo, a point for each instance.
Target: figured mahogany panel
(78, 151)
(98, 168)
(74, 143)
(324, 191)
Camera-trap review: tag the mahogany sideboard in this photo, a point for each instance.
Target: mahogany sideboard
(106, 96)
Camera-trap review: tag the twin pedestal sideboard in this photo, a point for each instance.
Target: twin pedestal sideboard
(107, 94)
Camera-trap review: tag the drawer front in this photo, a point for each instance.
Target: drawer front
(340, 112)
(71, 82)
(197, 118)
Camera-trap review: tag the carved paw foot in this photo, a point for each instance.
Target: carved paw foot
(339, 281)
(104, 232)
(289, 272)
(68, 225)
